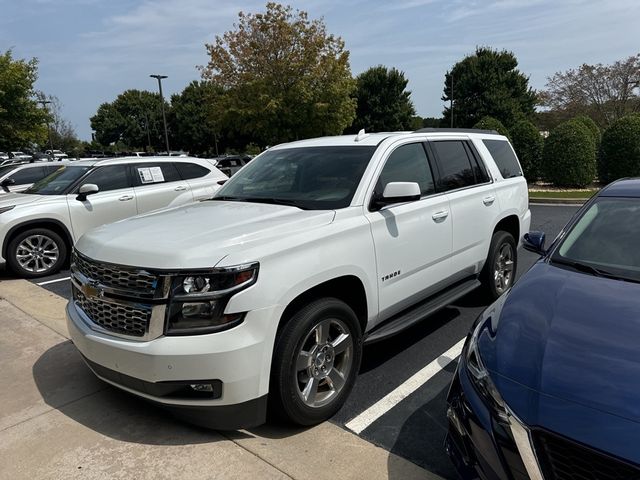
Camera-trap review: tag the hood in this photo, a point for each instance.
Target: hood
(16, 199)
(198, 235)
(571, 336)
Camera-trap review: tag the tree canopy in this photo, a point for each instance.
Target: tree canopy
(384, 103)
(22, 120)
(134, 119)
(283, 76)
(488, 83)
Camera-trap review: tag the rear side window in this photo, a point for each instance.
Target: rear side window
(455, 166)
(504, 157)
(191, 170)
(150, 173)
(113, 177)
(28, 175)
(407, 163)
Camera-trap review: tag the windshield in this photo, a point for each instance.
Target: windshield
(58, 181)
(605, 240)
(6, 169)
(315, 178)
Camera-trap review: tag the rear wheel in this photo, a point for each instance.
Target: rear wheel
(36, 252)
(500, 268)
(316, 360)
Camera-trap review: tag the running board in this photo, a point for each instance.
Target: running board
(420, 311)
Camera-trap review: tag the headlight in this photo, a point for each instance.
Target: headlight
(6, 209)
(198, 299)
(480, 376)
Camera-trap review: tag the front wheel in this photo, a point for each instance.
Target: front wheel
(36, 252)
(316, 360)
(499, 271)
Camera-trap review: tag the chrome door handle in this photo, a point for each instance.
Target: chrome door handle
(488, 201)
(180, 188)
(439, 216)
(124, 198)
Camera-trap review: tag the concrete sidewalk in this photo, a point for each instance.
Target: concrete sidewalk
(58, 421)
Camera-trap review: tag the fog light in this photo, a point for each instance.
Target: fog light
(202, 387)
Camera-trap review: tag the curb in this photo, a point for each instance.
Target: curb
(557, 201)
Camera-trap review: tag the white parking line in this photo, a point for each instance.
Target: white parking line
(382, 406)
(54, 281)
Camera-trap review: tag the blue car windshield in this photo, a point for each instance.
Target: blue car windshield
(605, 240)
(310, 178)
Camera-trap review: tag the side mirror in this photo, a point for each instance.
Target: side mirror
(397, 192)
(87, 189)
(7, 182)
(534, 242)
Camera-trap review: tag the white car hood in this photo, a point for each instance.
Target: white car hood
(198, 235)
(16, 199)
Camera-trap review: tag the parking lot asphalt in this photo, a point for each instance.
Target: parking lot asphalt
(398, 401)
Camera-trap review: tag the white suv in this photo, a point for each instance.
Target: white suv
(39, 226)
(268, 291)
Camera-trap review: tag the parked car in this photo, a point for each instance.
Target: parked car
(4, 156)
(39, 226)
(270, 288)
(547, 384)
(57, 154)
(230, 164)
(20, 156)
(18, 177)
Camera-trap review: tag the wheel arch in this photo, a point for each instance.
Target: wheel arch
(509, 224)
(50, 223)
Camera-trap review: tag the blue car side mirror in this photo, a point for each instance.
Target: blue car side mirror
(534, 242)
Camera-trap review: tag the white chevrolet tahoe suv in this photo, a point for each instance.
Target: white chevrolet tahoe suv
(39, 225)
(265, 294)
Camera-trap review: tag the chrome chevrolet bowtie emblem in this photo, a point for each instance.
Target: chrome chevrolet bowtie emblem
(91, 290)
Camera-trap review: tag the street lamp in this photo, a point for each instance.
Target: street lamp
(164, 117)
(44, 105)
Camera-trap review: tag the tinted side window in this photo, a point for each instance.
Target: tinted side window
(28, 175)
(191, 170)
(454, 165)
(504, 157)
(407, 163)
(108, 178)
(150, 173)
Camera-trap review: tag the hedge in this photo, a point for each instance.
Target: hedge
(528, 144)
(620, 149)
(569, 155)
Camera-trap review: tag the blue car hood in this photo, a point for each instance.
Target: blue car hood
(570, 336)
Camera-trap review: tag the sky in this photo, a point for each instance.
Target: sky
(89, 51)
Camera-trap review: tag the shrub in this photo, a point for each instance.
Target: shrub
(528, 144)
(490, 123)
(592, 126)
(620, 149)
(569, 155)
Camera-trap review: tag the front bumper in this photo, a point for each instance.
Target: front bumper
(481, 446)
(237, 362)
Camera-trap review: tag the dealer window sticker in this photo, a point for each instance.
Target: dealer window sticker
(150, 174)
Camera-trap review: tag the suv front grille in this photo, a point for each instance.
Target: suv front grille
(132, 280)
(117, 318)
(563, 459)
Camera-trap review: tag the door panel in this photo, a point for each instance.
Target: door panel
(159, 185)
(412, 240)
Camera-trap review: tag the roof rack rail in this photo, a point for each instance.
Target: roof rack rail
(455, 130)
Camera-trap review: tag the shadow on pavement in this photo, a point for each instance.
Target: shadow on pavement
(421, 438)
(105, 409)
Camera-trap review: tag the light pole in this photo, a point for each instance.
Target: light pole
(164, 117)
(44, 105)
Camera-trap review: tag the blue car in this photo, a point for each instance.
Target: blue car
(548, 383)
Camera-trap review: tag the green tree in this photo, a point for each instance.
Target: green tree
(22, 121)
(487, 83)
(620, 149)
(195, 125)
(63, 135)
(133, 119)
(528, 144)
(569, 155)
(384, 104)
(490, 123)
(284, 77)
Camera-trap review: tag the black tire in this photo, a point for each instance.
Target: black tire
(30, 270)
(286, 395)
(500, 241)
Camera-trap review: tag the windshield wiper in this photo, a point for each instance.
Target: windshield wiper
(274, 201)
(586, 268)
(226, 198)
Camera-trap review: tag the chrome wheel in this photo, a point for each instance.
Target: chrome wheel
(37, 253)
(503, 268)
(324, 362)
